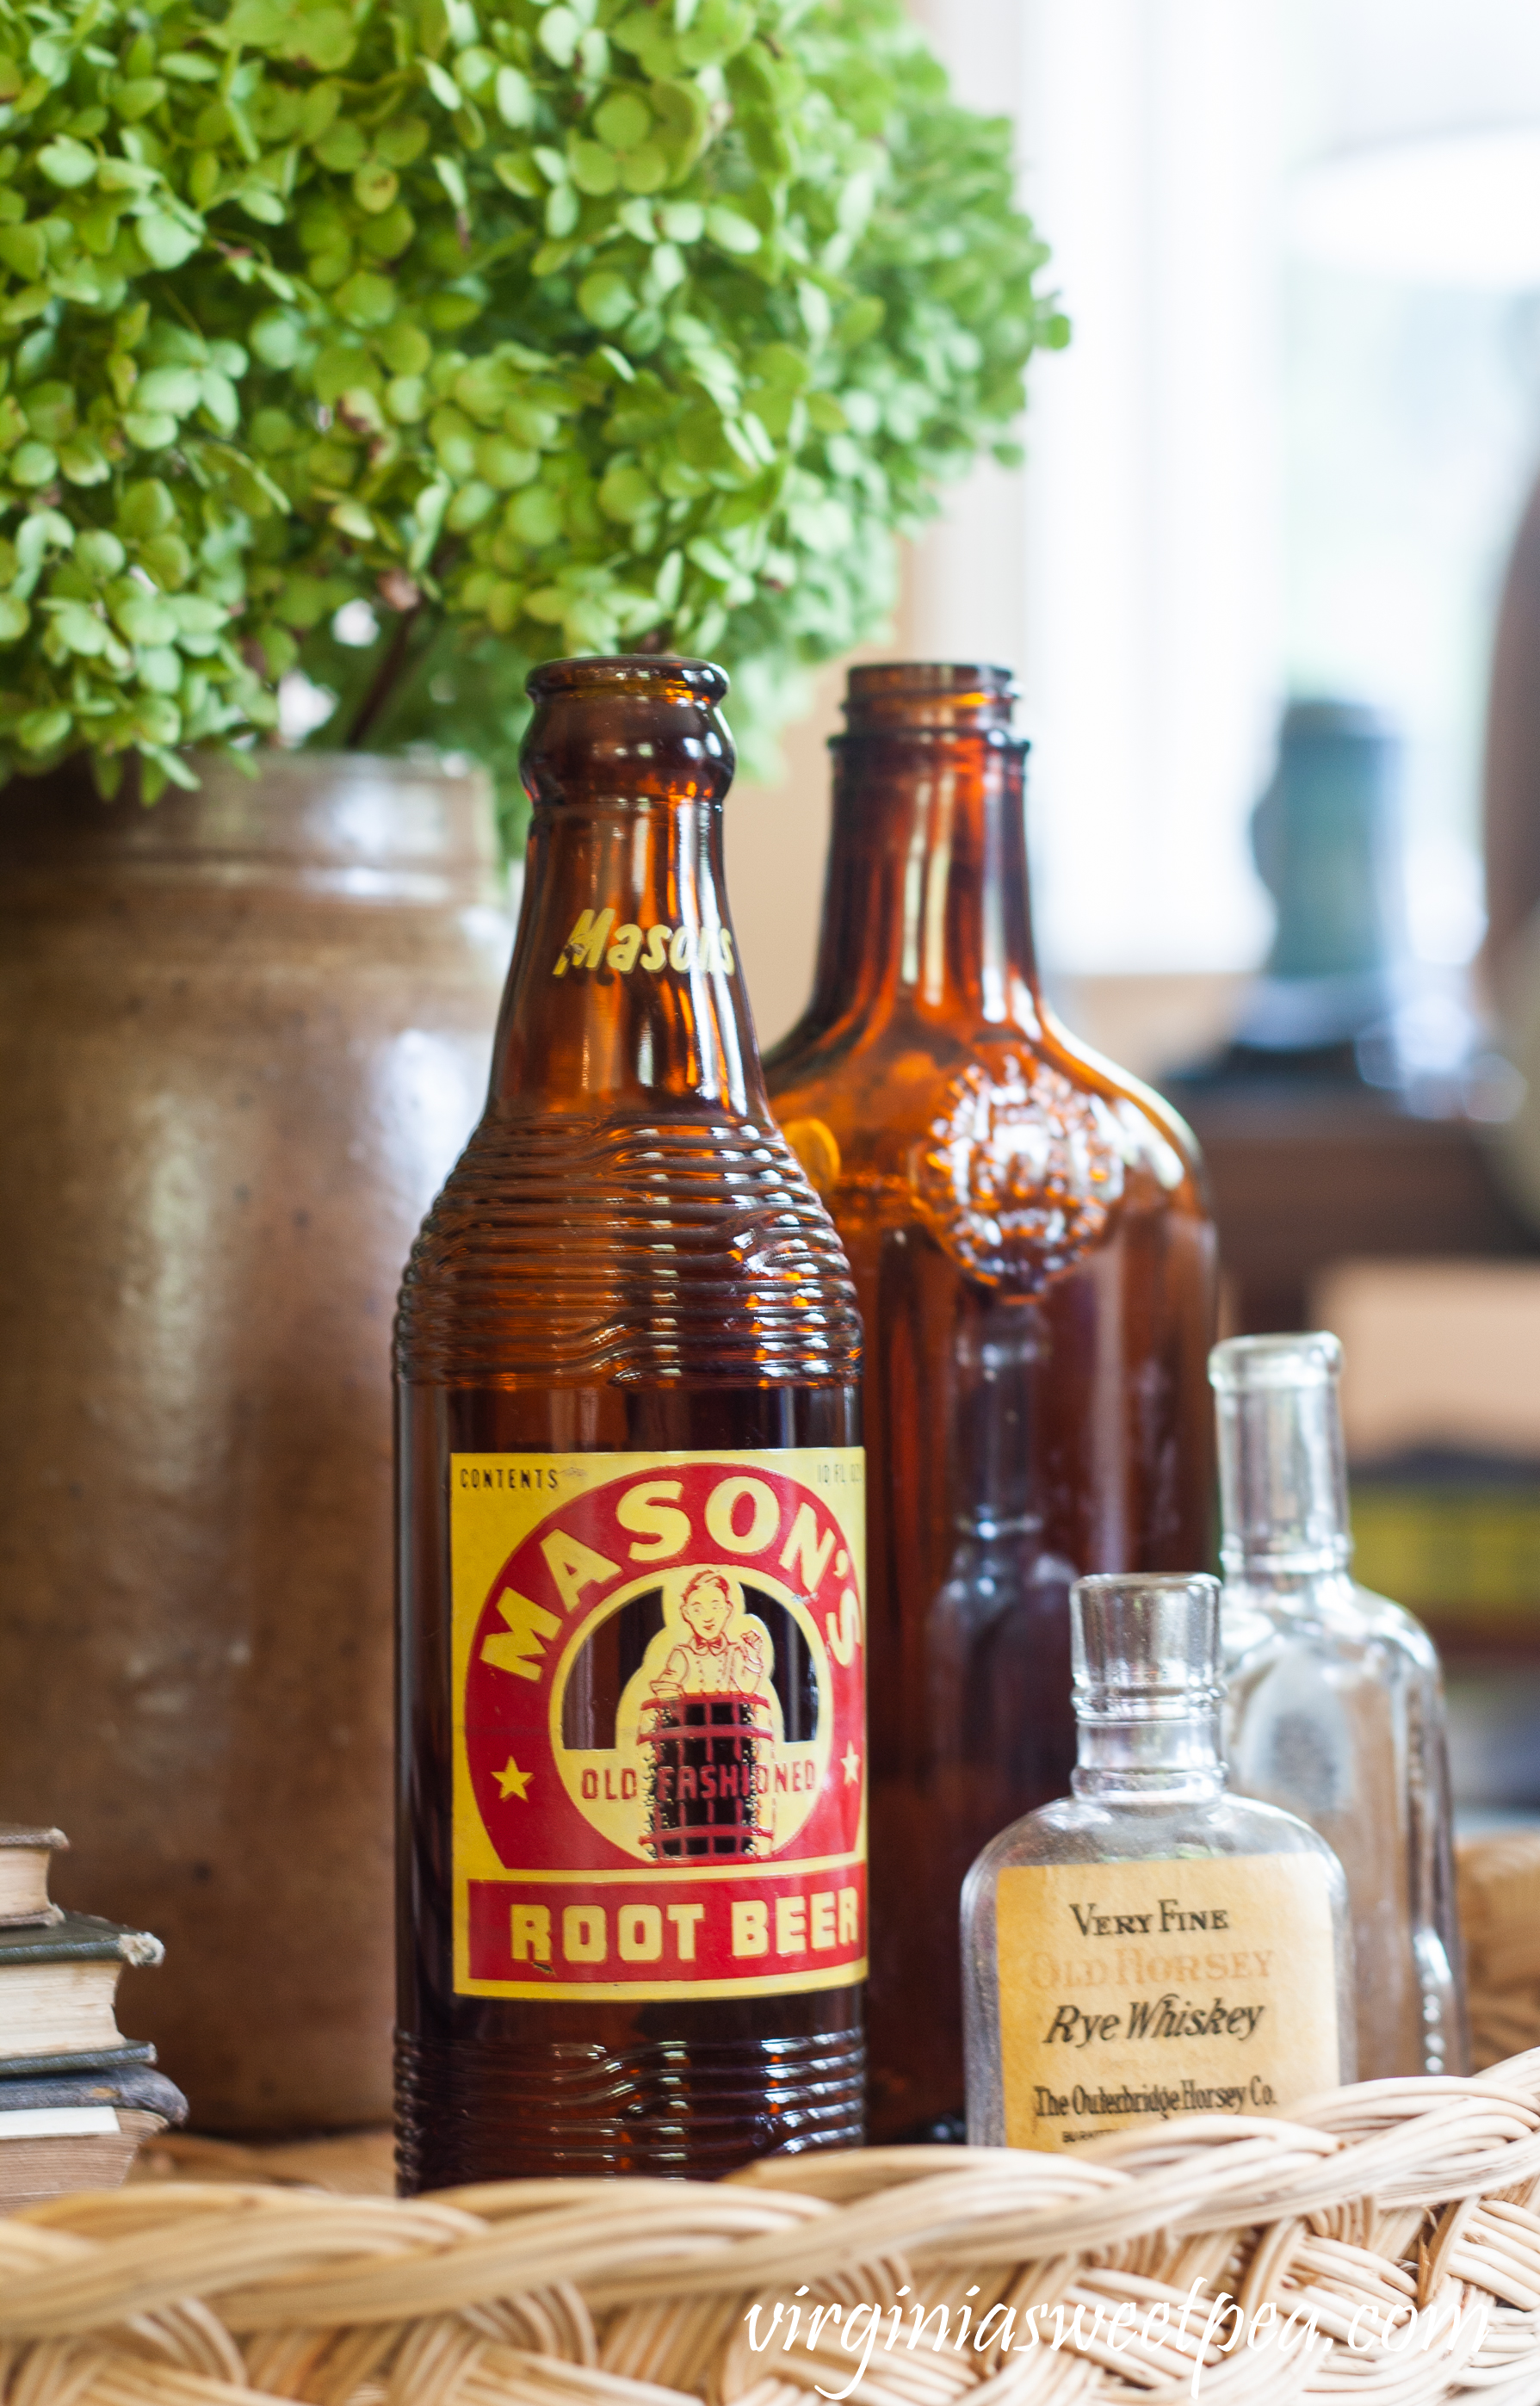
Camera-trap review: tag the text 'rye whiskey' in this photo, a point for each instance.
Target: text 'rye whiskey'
(632, 1820)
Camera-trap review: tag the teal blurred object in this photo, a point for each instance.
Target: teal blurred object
(1327, 839)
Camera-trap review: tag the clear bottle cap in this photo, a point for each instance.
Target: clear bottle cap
(1145, 1647)
(1283, 1473)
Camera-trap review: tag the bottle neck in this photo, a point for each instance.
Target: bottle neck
(1283, 1485)
(999, 1345)
(626, 987)
(925, 905)
(1143, 1756)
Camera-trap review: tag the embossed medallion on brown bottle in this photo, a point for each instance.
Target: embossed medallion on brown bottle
(633, 1750)
(1035, 1266)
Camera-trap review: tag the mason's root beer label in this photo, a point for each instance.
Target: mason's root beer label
(660, 1745)
(1134, 1990)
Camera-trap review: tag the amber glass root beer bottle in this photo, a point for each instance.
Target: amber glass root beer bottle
(1036, 1269)
(632, 1912)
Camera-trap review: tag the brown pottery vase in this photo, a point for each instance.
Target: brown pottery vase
(243, 1036)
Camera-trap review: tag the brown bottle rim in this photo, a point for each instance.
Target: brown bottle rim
(629, 672)
(930, 699)
(878, 678)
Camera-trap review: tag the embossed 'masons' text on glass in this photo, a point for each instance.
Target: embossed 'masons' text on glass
(632, 1908)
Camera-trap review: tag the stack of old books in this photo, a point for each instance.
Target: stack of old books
(77, 2098)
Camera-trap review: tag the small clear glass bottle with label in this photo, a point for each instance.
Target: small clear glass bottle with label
(1336, 1705)
(1151, 1945)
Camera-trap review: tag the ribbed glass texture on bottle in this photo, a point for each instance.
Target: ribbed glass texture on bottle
(628, 1260)
(1336, 1705)
(1035, 1266)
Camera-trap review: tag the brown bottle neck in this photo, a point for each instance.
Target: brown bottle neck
(626, 989)
(927, 903)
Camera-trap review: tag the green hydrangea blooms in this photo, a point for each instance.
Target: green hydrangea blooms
(410, 344)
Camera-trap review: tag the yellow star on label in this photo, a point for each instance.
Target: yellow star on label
(513, 1782)
(852, 1762)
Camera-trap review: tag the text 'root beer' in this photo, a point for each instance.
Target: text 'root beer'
(633, 1778)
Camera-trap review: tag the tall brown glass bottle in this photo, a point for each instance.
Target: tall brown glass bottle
(1035, 1271)
(632, 1917)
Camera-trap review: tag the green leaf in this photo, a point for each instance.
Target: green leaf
(32, 463)
(451, 174)
(148, 428)
(277, 338)
(560, 32)
(194, 614)
(645, 170)
(504, 465)
(366, 300)
(43, 730)
(160, 669)
(471, 504)
(626, 494)
(138, 97)
(15, 618)
(175, 389)
(517, 170)
(535, 517)
(147, 508)
(405, 347)
(406, 399)
(68, 162)
(731, 232)
(24, 249)
(402, 142)
(323, 38)
(683, 220)
(605, 299)
(352, 518)
(76, 625)
(165, 240)
(446, 91)
(594, 169)
(100, 554)
(342, 147)
(144, 619)
(623, 121)
(166, 558)
(374, 187)
(84, 461)
(515, 99)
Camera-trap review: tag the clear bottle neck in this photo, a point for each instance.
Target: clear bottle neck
(626, 987)
(999, 1350)
(927, 903)
(1142, 1760)
(1147, 1689)
(1283, 1473)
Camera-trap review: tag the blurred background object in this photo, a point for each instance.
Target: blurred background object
(1282, 466)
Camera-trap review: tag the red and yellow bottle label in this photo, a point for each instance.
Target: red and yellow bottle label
(659, 1723)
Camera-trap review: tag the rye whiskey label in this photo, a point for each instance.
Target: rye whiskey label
(1131, 1992)
(660, 1737)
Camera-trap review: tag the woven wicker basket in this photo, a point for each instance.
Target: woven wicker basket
(1373, 2202)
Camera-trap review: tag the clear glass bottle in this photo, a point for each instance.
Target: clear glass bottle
(1150, 1944)
(1335, 1705)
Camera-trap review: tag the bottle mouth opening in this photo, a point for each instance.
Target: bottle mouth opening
(663, 676)
(1261, 1365)
(967, 694)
